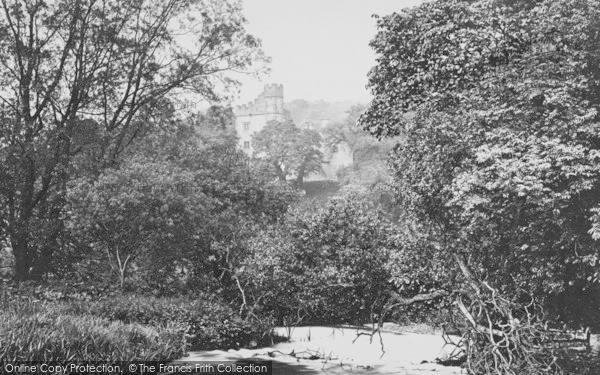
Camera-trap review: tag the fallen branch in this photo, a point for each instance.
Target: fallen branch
(479, 327)
(397, 300)
(305, 354)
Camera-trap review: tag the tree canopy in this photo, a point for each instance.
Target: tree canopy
(173, 209)
(500, 162)
(327, 265)
(504, 146)
(290, 150)
(368, 174)
(105, 66)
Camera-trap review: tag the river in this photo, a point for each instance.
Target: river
(342, 350)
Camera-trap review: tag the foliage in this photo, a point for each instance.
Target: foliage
(209, 323)
(324, 266)
(313, 112)
(55, 291)
(503, 169)
(140, 209)
(317, 193)
(204, 320)
(349, 132)
(173, 210)
(49, 333)
(290, 151)
(90, 77)
(369, 174)
(499, 166)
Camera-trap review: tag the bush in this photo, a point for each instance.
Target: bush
(325, 266)
(204, 322)
(49, 332)
(209, 323)
(55, 290)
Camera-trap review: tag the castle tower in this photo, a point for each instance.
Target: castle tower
(252, 117)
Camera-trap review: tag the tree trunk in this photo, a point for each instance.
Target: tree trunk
(41, 265)
(279, 172)
(121, 278)
(300, 178)
(49, 244)
(23, 258)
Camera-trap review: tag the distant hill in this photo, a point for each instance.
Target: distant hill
(302, 111)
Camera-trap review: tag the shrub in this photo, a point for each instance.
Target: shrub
(205, 321)
(49, 332)
(209, 323)
(55, 290)
(324, 266)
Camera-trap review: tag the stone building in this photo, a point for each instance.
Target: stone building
(252, 117)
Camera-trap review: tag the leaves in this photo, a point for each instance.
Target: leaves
(497, 102)
(290, 150)
(327, 265)
(84, 80)
(176, 206)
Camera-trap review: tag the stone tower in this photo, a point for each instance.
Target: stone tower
(252, 117)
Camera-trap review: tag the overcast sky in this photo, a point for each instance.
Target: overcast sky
(319, 48)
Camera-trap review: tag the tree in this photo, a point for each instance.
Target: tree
(144, 209)
(350, 133)
(289, 150)
(325, 266)
(175, 208)
(111, 64)
(500, 163)
(369, 173)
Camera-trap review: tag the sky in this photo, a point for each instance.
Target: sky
(319, 48)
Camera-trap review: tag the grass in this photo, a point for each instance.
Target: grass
(49, 332)
(121, 328)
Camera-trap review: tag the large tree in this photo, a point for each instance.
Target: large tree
(289, 150)
(173, 211)
(369, 173)
(500, 164)
(350, 133)
(103, 67)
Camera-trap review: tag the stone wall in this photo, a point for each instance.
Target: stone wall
(252, 117)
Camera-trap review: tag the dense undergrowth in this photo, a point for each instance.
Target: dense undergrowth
(46, 325)
(44, 332)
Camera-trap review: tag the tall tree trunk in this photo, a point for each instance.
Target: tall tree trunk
(42, 262)
(23, 258)
(50, 210)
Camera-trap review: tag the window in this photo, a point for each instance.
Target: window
(246, 145)
(246, 126)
